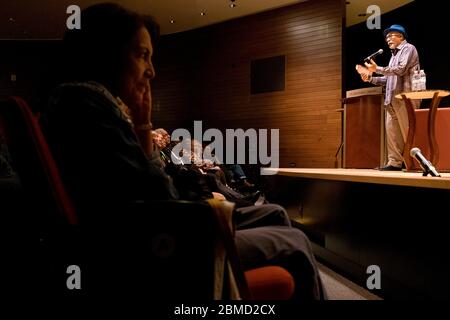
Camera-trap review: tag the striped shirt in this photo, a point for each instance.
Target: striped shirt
(397, 77)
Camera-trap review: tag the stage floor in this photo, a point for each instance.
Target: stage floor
(398, 178)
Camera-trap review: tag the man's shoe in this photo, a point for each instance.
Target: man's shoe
(390, 168)
(244, 186)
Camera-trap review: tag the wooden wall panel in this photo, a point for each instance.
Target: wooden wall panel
(205, 75)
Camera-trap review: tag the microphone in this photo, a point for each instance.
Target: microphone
(426, 165)
(373, 55)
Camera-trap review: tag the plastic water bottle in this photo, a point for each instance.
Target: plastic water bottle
(415, 81)
(423, 81)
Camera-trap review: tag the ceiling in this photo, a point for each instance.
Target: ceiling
(46, 19)
(357, 9)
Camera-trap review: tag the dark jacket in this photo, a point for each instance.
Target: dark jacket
(97, 150)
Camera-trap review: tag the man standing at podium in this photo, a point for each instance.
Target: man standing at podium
(397, 78)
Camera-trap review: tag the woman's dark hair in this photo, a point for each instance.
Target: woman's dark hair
(98, 51)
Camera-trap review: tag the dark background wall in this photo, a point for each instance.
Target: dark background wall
(427, 25)
(37, 66)
(205, 75)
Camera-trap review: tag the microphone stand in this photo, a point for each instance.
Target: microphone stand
(427, 171)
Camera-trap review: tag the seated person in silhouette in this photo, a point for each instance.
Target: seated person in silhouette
(195, 183)
(238, 177)
(203, 173)
(103, 144)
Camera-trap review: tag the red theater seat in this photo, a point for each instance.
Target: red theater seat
(270, 283)
(187, 273)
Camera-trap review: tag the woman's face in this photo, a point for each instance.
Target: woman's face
(135, 89)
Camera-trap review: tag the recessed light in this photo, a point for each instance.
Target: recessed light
(232, 5)
(202, 13)
(172, 21)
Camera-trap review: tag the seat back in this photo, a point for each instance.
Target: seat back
(32, 159)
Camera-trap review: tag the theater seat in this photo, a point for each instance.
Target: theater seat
(127, 251)
(270, 283)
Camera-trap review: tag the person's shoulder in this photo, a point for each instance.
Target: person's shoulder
(409, 45)
(80, 95)
(80, 90)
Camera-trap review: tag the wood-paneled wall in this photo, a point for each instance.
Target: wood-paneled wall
(205, 75)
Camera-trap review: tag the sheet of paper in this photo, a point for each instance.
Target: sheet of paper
(362, 70)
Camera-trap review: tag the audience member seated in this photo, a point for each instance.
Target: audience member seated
(104, 144)
(238, 177)
(200, 171)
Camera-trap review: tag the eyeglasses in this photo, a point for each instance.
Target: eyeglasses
(390, 35)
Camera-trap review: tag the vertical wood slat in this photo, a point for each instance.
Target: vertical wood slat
(204, 75)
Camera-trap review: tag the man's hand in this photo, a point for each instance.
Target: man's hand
(364, 73)
(372, 66)
(365, 77)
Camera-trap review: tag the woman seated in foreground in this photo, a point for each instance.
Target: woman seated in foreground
(99, 129)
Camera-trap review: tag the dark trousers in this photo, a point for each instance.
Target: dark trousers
(264, 236)
(261, 216)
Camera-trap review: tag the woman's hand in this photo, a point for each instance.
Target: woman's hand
(142, 110)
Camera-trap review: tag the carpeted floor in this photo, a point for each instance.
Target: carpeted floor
(340, 288)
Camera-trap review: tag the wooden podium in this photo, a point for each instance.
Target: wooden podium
(436, 96)
(364, 146)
